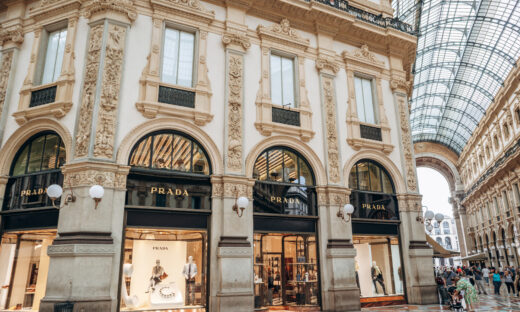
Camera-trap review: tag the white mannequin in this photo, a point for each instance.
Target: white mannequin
(190, 271)
(130, 301)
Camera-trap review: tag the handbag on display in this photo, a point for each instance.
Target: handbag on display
(163, 276)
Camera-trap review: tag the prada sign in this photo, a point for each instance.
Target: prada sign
(33, 192)
(169, 191)
(284, 199)
(374, 206)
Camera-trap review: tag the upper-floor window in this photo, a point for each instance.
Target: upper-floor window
(448, 243)
(177, 58)
(516, 191)
(282, 80)
(52, 55)
(506, 200)
(365, 100)
(497, 208)
(446, 227)
(497, 144)
(488, 155)
(517, 112)
(506, 130)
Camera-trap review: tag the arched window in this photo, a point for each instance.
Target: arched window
(372, 192)
(448, 243)
(285, 183)
(169, 150)
(35, 166)
(446, 227)
(171, 170)
(368, 175)
(439, 240)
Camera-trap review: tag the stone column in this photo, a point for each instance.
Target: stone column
(461, 222)
(232, 285)
(339, 289)
(11, 37)
(85, 257)
(417, 254)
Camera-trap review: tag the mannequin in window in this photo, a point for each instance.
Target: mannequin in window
(157, 275)
(190, 271)
(377, 276)
(357, 275)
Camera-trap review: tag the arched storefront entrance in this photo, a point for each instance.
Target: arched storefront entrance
(29, 221)
(167, 212)
(285, 235)
(375, 230)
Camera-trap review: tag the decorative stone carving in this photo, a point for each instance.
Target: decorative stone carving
(400, 84)
(331, 132)
(234, 148)
(111, 81)
(89, 91)
(125, 7)
(407, 143)
(283, 32)
(88, 174)
(324, 63)
(365, 55)
(236, 38)
(14, 34)
(5, 69)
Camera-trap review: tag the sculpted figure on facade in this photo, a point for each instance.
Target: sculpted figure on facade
(89, 91)
(234, 157)
(332, 137)
(104, 145)
(5, 69)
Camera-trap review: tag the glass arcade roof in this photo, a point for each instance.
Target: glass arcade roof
(465, 50)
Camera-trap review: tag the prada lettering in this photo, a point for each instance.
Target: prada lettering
(160, 248)
(169, 191)
(373, 206)
(278, 199)
(38, 191)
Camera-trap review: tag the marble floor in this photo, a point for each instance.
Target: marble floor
(501, 303)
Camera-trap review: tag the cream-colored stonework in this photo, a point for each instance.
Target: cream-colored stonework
(5, 71)
(234, 149)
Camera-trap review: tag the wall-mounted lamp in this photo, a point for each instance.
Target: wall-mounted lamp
(345, 212)
(240, 204)
(54, 191)
(96, 192)
(428, 218)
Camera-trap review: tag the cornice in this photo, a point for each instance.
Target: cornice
(124, 7)
(12, 34)
(51, 8)
(189, 8)
(282, 33)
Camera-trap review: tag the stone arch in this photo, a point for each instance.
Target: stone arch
(22, 134)
(297, 145)
(157, 124)
(384, 161)
(444, 166)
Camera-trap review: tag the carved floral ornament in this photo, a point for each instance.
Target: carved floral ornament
(234, 149)
(326, 63)
(237, 39)
(400, 84)
(125, 7)
(282, 33)
(5, 69)
(364, 55)
(14, 34)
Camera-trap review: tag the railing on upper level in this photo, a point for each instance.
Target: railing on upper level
(368, 17)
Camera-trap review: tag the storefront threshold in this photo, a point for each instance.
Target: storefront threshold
(180, 309)
(382, 301)
(289, 308)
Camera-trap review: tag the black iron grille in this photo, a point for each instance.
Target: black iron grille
(64, 307)
(371, 133)
(43, 96)
(286, 116)
(176, 97)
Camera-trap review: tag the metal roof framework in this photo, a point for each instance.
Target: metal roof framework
(465, 50)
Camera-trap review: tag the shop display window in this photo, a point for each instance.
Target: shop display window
(285, 270)
(24, 266)
(164, 270)
(378, 266)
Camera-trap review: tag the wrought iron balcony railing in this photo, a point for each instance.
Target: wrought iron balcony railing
(285, 116)
(175, 96)
(43, 96)
(371, 133)
(378, 20)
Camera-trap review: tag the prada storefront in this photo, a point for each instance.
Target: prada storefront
(29, 222)
(286, 264)
(376, 238)
(168, 206)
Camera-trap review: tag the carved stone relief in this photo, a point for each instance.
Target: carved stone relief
(5, 69)
(234, 152)
(111, 81)
(407, 143)
(89, 91)
(331, 134)
(14, 34)
(125, 7)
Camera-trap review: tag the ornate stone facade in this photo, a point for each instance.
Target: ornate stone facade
(234, 149)
(331, 134)
(5, 70)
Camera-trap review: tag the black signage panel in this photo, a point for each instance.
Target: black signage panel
(169, 192)
(284, 199)
(374, 206)
(30, 191)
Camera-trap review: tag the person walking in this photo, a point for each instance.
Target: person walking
(479, 281)
(470, 294)
(485, 275)
(516, 284)
(497, 282)
(508, 279)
